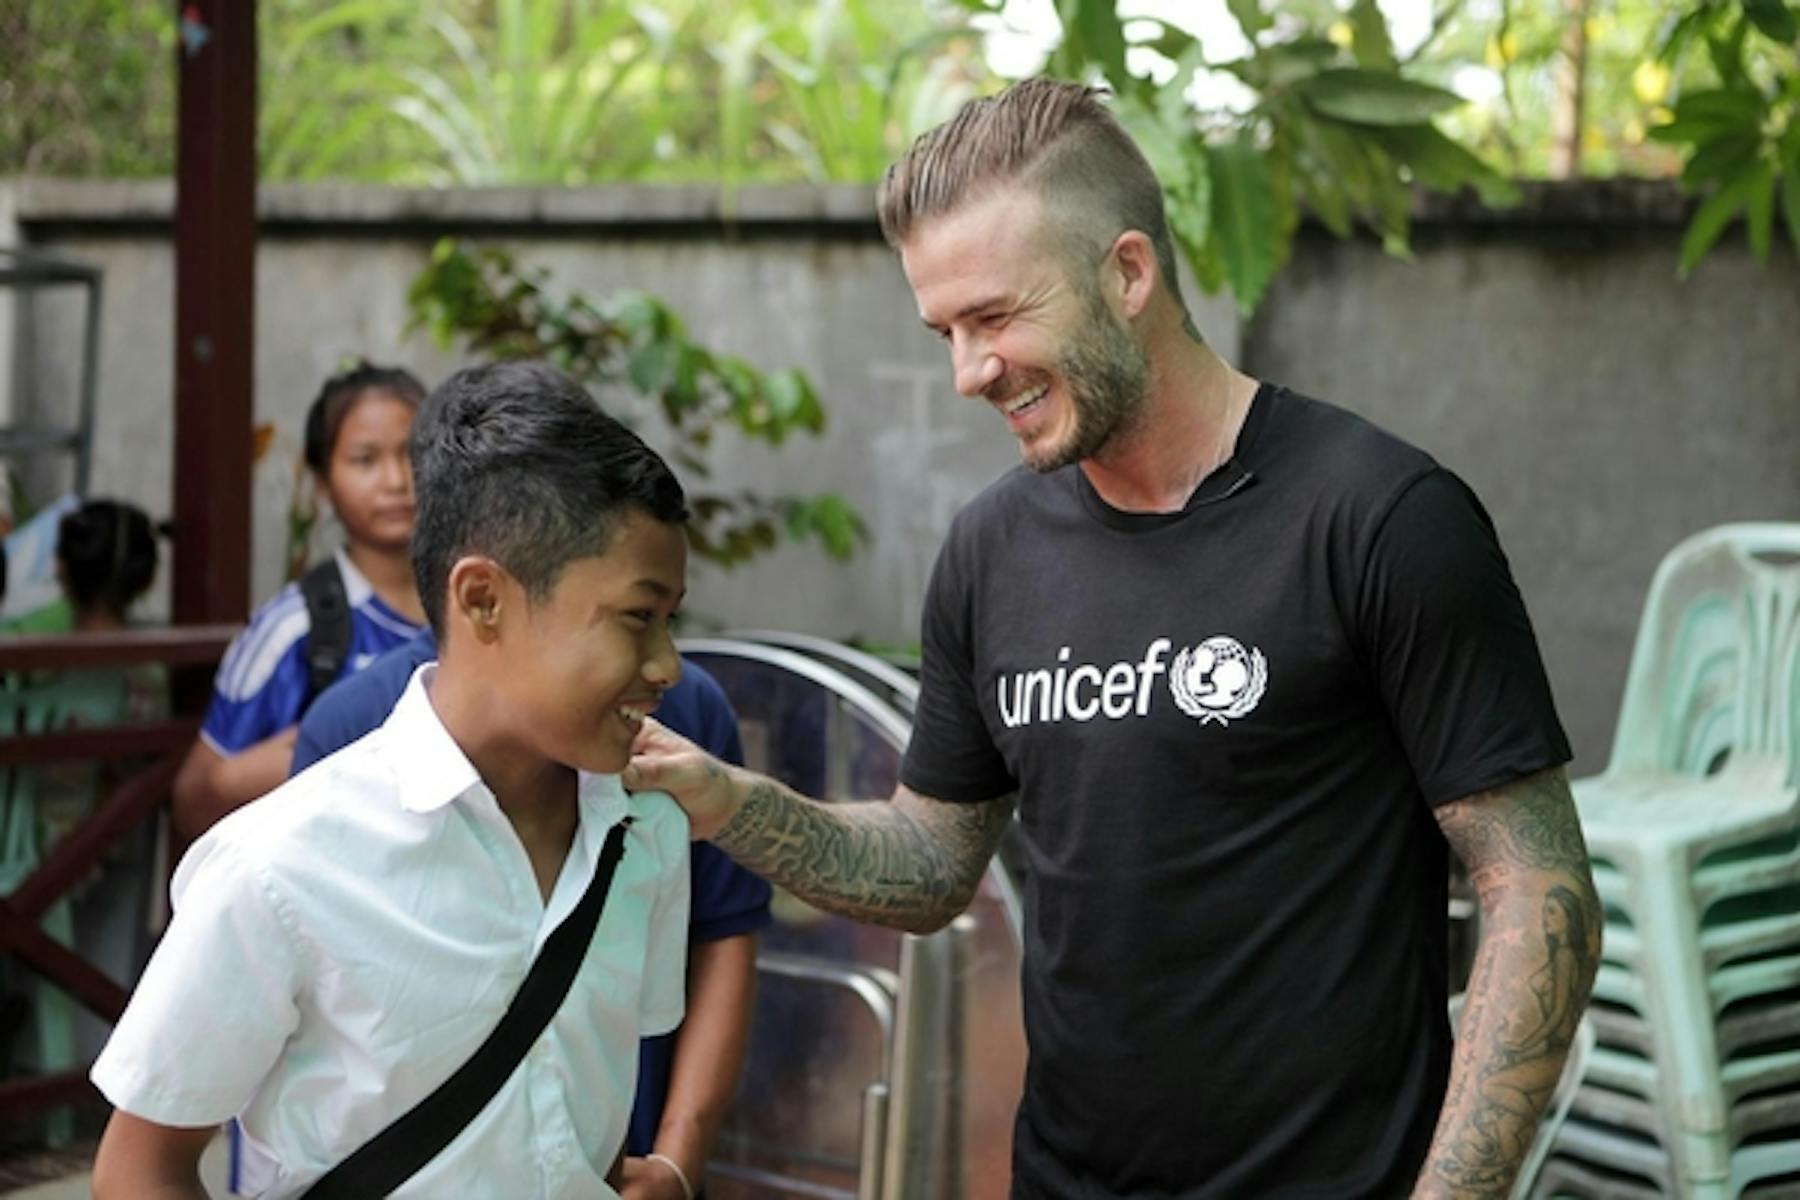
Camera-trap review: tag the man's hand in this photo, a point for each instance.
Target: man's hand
(647, 1179)
(909, 861)
(663, 760)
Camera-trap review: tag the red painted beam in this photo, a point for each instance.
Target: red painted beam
(29, 1095)
(178, 646)
(79, 851)
(215, 331)
(107, 744)
(64, 968)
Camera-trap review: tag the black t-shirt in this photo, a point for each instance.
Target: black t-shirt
(1228, 727)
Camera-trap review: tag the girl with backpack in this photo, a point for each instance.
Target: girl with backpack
(341, 616)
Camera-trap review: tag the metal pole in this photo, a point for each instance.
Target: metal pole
(874, 1142)
(90, 376)
(927, 1074)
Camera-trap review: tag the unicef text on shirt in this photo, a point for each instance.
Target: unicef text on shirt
(1215, 681)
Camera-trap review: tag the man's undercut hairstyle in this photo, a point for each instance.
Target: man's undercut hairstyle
(1052, 139)
(516, 461)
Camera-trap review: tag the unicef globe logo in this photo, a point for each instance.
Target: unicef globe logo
(1218, 680)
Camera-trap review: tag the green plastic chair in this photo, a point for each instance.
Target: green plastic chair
(1694, 829)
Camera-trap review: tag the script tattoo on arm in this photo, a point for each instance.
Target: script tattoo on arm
(912, 862)
(1540, 947)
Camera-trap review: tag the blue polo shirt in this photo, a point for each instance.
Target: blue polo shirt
(727, 900)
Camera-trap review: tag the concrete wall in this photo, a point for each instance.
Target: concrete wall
(1601, 409)
(800, 279)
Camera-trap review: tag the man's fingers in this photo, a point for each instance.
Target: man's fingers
(647, 735)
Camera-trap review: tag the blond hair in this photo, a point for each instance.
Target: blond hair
(1054, 139)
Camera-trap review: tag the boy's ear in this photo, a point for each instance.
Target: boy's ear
(477, 592)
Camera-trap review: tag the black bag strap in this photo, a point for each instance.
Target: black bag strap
(416, 1137)
(328, 640)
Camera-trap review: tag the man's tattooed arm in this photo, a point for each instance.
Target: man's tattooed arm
(1534, 968)
(912, 862)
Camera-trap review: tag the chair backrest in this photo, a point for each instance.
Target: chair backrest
(1558, 1109)
(1715, 671)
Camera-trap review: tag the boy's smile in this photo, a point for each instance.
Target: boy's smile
(591, 660)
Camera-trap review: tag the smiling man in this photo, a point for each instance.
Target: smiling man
(1248, 667)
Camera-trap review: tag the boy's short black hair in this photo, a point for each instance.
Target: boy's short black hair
(339, 394)
(107, 551)
(516, 461)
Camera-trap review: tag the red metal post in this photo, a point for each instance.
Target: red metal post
(215, 279)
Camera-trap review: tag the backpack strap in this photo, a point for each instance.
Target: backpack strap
(328, 642)
(416, 1137)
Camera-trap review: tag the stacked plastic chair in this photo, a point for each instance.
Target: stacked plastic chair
(1694, 1087)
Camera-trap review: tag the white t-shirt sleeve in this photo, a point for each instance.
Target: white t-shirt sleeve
(210, 1016)
(664, 992)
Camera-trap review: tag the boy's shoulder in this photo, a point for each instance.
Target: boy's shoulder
(661, 817)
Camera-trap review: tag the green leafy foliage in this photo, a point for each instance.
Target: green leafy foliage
(1365, 96)
(575, 91)
(64, 113)
(1706, 89)
(585, 91)
(636, 353)
(831, 90)
(1243, 214)
(543, 92)
(1334, 125)
(1742, 136)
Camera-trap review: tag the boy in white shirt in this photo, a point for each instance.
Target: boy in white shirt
(342, 946)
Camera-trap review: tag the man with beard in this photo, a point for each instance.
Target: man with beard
(1247, 666)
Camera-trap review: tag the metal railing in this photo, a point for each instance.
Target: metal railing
(913, 1114)
(30, 271)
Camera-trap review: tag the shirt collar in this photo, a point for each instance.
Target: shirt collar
(438, 772)
(357, 588)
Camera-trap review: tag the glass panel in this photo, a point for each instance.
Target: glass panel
(798, 1120)
(796, 1126)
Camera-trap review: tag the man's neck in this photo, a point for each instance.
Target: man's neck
(1191, 419)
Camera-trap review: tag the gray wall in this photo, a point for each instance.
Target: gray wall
(1602, 410)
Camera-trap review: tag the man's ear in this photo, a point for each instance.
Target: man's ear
(1131, 272)
(478, 593)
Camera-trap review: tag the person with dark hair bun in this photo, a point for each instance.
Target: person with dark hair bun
(355, 444)
(105, 558)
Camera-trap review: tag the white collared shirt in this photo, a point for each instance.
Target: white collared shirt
(344, 944)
